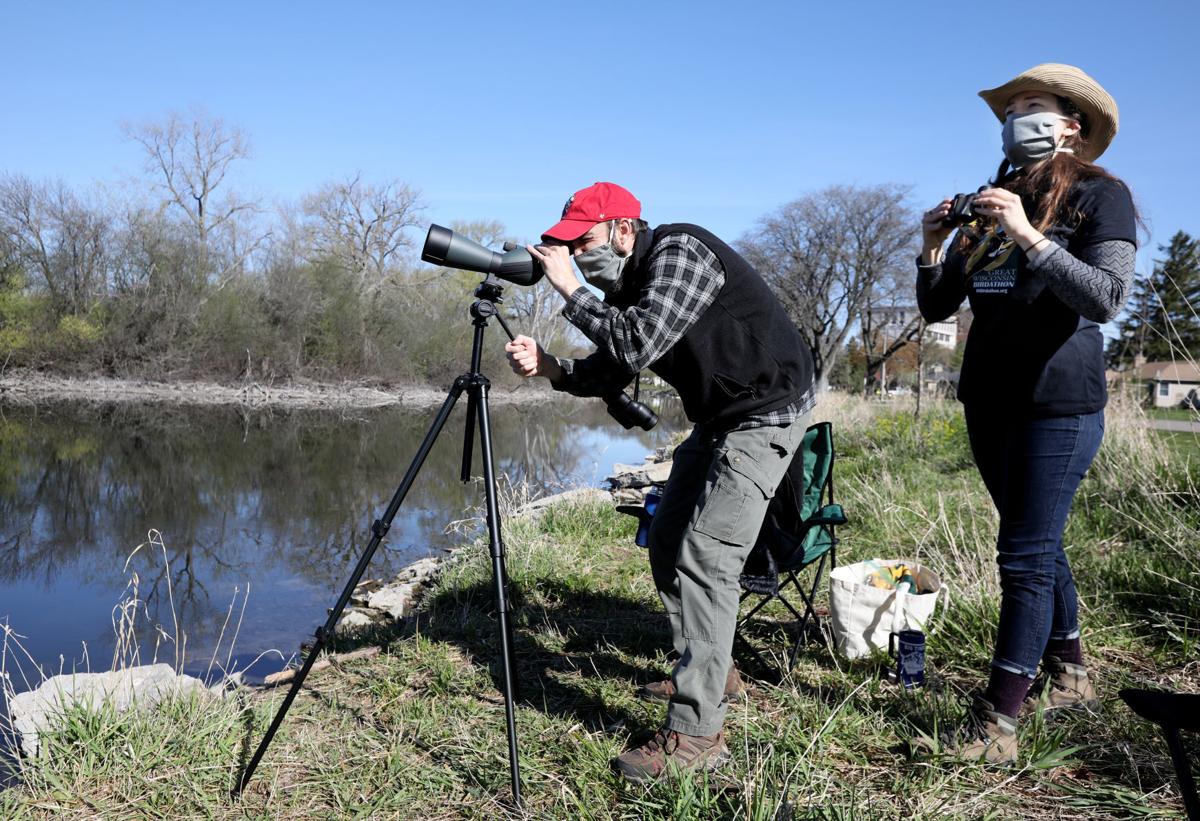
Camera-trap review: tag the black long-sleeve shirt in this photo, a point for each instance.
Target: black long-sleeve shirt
(1034, 344)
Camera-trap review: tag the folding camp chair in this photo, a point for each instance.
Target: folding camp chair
(1172, 712)
(797, 533)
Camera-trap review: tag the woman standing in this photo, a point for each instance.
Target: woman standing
(1046, 255)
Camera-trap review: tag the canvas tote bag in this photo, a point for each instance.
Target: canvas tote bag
(862, 616)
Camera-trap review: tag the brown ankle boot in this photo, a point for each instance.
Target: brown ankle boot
(1064, 686)
(983, 735)
(669, 749)
(735, 688)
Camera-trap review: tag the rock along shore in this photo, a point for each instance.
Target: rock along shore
(31, 388)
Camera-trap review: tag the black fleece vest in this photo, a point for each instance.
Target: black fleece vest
(742, 357)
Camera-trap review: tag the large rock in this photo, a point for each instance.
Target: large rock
(363, 590)
(354, 620)
(421, 569)
(639, 476)
(578, 496)
(394, 600)
(37, 711)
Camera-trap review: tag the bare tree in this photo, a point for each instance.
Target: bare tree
(889, 320)
(488, 233)
(920, 386)
(363, 227)
(10, 262)
(824, 253)
(191, 159)
(53, 235)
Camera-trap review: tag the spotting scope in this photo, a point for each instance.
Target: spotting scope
(444, 247)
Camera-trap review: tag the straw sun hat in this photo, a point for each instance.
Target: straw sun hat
(1097, 105)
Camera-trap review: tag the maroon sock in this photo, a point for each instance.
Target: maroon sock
(1006, 691)
(1068, 650)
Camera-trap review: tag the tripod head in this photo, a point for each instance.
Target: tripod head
(490, 289)
(487, 294)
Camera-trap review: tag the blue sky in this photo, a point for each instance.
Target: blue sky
(714, 113)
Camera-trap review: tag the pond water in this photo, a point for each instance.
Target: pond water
(261, 517)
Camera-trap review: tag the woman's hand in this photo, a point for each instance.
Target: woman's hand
(1006, 208)
(556, 262)
(934, 231)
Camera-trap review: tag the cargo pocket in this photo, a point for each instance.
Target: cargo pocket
(730, 509)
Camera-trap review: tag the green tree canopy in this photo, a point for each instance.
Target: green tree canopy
(1163, 320)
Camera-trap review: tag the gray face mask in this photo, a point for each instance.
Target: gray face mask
(1029, 138)
(602, 266)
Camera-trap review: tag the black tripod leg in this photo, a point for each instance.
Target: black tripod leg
(472, 395)
(500, 577)
(379, 529)
(469, 436)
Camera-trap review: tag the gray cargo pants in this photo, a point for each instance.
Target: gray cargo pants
(707, 521)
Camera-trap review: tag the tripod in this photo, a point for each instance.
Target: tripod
(476, 385)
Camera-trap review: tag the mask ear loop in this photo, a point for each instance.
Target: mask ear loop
(1059, 149)
(612, 239)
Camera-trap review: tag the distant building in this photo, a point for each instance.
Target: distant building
(894, 320)
(939, 381)
(944, 333)
(1169, 384)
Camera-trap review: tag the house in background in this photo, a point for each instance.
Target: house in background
(894, 321)
(939, 381)
(1170, 383)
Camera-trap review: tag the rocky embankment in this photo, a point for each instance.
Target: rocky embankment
(31, 388)
(376, 602)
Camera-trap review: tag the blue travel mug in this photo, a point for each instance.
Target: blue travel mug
(649, 507)
(908, 648)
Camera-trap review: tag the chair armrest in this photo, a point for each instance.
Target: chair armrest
(828, 515)
(1180, 710)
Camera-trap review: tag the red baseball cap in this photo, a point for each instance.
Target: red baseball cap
(598, 202)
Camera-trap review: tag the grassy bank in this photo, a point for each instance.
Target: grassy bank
(418, 731)
(1184, 444)
(1174, 414)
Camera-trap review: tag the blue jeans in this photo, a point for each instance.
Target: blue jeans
(1032, 468)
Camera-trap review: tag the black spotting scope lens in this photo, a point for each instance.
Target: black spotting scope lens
(444, 247)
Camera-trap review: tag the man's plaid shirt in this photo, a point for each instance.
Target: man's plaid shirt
(683, 281)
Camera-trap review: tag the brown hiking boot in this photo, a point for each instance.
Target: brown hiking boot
(983, 735)
(735, 688)
(1064, 686)
(669, 749)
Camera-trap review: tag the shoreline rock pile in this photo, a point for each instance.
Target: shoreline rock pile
(629, 483)
(375, 602)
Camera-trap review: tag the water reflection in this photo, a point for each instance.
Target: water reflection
(276, 501)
